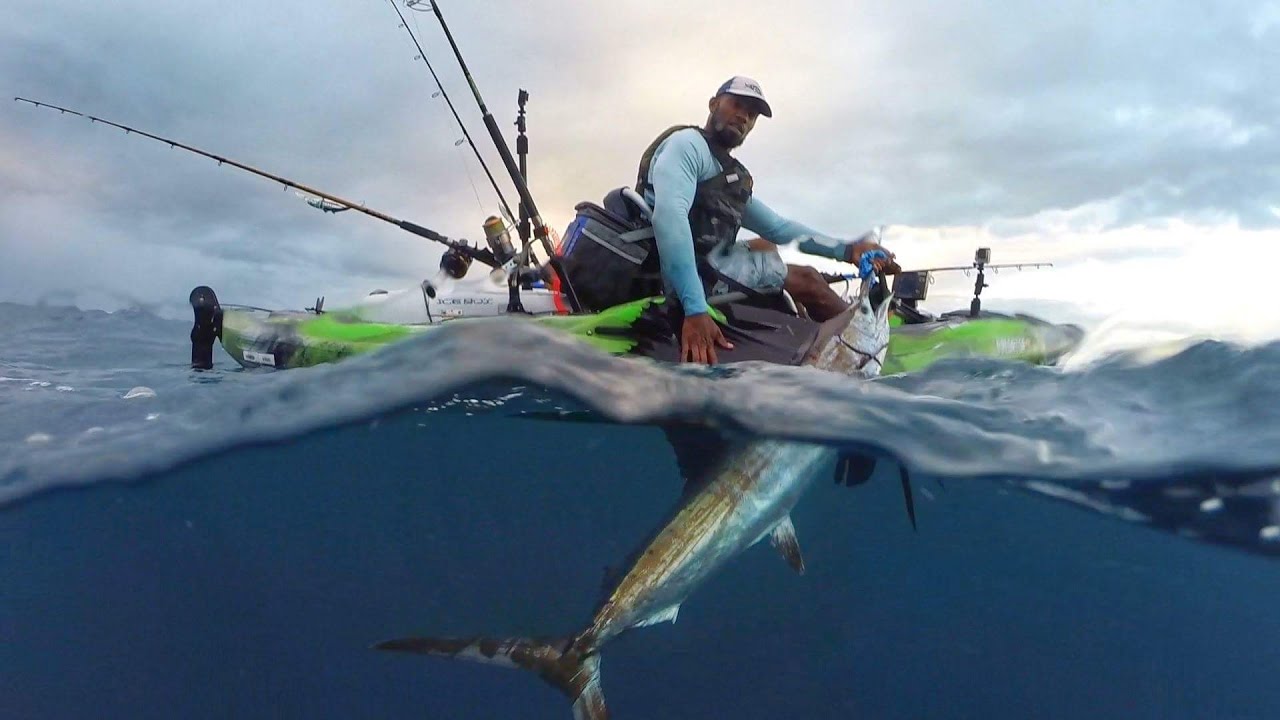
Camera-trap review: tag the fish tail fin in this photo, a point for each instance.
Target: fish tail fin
(575, 674)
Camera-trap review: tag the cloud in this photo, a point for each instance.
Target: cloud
(1008, 121)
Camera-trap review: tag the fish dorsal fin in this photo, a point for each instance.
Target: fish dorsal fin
(698, 450)
(905, 478)
(667, 615)
(854, 468)
(783, 537)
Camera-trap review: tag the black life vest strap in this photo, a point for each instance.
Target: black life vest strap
(728, 164)
(646, 159)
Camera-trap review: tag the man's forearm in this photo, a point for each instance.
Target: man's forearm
(675, 251)
(759, 218)
(823, 246)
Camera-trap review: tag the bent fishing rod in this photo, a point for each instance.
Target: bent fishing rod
(423, 54)
(483, 255)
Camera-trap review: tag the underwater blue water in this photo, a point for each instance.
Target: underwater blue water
(1099, 542)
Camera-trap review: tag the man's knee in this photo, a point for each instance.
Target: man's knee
(812, 292)
(803, 280)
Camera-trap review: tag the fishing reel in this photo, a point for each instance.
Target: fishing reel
(456, 261)
(498, 237)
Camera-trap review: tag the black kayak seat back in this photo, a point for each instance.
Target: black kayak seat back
(625, 203)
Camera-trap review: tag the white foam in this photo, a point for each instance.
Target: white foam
(1181, 492)
(65, 388)
(1270, 532)
(1211, 505)
(39, 438)
(140, 392)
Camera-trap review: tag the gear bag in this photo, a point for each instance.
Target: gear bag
(609, 259)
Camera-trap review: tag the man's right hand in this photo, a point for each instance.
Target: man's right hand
(699, 338)
(888, 266)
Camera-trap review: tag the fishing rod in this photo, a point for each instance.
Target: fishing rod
(981, 267)
(484, 256)
(422, 54)
(539, 227)
(981, 263)
(910, 286)
(839, 277)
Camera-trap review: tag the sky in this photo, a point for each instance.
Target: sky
(1135, 145)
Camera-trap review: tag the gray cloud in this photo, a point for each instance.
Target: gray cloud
(906, 112)
(1013, 114)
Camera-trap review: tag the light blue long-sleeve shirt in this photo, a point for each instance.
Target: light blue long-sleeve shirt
(681, 162)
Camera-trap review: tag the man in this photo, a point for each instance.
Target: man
(701, 196)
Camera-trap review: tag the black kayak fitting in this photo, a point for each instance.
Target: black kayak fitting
(207, 327)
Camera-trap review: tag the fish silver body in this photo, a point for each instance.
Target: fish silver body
(747, 501)
(749, 497)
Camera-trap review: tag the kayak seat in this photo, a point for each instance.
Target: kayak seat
(626, 204)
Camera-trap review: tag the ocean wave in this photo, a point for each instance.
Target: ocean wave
(1212, 407)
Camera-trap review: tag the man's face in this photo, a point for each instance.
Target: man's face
(732, 118)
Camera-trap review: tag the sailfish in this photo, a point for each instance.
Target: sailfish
(744, 497)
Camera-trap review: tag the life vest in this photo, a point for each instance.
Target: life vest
(716, 214)
(609, 254)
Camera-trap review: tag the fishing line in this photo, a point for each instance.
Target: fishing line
(474, 190)
(540, 229)
(483, 255)
(462, 160)
(412, 4)
(466, 168)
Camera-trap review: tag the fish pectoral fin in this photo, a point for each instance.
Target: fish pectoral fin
(854, 468)
(784, 538)
(668, 615)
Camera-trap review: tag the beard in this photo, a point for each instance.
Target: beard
(725, 136)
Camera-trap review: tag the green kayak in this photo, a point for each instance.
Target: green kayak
(257, 337)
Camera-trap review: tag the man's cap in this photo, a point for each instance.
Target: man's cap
(746, 87)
